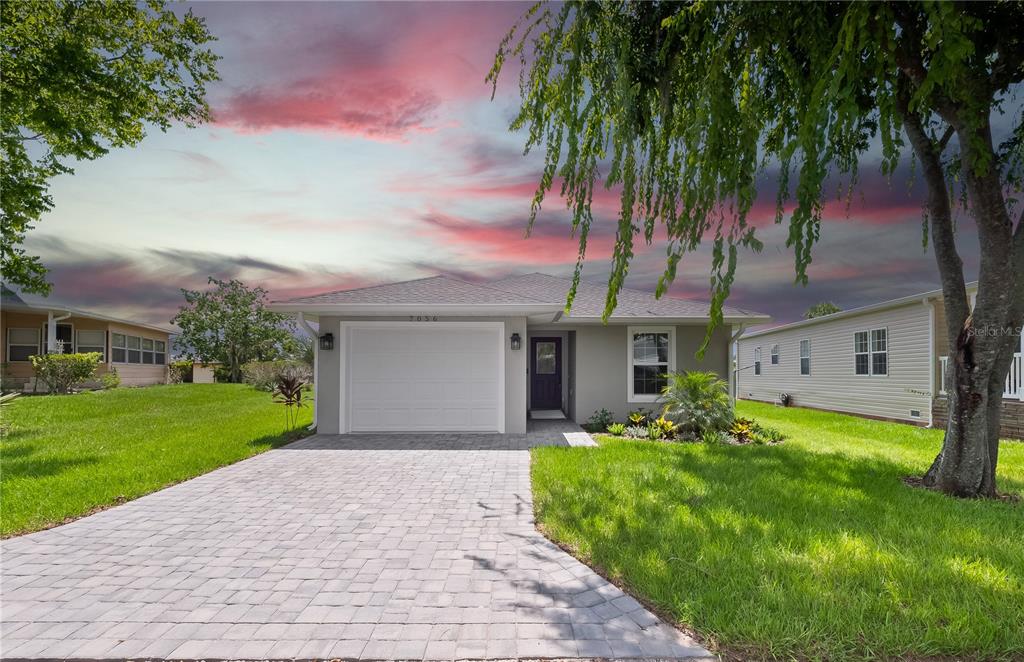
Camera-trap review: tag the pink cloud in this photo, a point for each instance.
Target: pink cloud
(376, 71)
(506, 242)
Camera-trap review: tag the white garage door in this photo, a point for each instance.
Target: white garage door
(426, 377)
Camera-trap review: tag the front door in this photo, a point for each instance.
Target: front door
(546, 373)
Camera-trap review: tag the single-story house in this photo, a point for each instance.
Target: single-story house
(136, 350)
(884, 361)
(443, 354)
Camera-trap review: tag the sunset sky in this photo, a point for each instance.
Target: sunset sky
(356, 144)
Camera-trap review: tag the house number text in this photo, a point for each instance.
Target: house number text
(422, 318)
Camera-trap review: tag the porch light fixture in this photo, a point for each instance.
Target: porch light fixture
(327, 341)
(516, 341)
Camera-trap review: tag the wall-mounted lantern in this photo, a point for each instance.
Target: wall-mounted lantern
(327, 341)
(516, 341)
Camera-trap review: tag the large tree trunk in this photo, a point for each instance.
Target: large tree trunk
(981, 343)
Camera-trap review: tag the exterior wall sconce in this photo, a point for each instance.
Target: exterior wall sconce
(516, 341)
(327, 341)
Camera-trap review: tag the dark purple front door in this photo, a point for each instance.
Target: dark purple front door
(545, 373)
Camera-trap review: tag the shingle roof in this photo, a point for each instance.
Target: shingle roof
(436, 290)
(590, 299)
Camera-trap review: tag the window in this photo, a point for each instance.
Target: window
(870, 352)
(943, 366)
(90, 340)
(651, 358)
(546, 357)
(757, 360)
(775, 355)
(861, 353)
(118, 348)
(805, 357)
(133, 349)
(880, 352)
(22, 343)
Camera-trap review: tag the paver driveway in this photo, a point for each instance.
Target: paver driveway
(371, 547)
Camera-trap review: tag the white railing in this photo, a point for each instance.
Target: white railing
(1015, 378)
(1014, 387)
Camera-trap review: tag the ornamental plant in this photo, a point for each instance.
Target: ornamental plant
(63, 372)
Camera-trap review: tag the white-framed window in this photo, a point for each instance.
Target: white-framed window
(880, 352)
(757, 360)
(21, 344)
(943, 366)
(652, 355)
(136, 349)
(871, 352)
(775, 354)
(805, 356)
(92, 340)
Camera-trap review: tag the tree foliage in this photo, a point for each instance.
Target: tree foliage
(821, 309)
(230, 324)
(77, 79)
(690, 108)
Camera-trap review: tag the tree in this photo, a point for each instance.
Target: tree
(230, 324)
(821, 309)
(685, 106)
(77, 79)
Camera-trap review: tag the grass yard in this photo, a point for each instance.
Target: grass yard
(66, 455)
(812, 549)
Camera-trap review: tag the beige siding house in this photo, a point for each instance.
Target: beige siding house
(882, 361)
(442, 354)
(137, 351)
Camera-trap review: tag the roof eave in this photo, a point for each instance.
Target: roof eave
(754, 318)
(75, 312)
(402, 309)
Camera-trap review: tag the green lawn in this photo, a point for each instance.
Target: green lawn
(64, 456)
(812, 549)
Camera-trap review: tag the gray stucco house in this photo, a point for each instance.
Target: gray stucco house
(443, 354)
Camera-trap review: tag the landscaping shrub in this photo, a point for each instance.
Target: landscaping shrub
(600, 420)
(636, 431)
(179, 371)
(617, 429)
(111, 379)
(639, 416)
(698, 402)
(287, 390)
(63, 372)
(264, 375)
(749, 431)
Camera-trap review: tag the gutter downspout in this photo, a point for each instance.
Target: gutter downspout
(733, 369)
(931, 361)
(316, 365)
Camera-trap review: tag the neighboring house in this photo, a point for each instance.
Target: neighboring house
(203, 373)
(137, 351)
(442, 354)
(881, 361)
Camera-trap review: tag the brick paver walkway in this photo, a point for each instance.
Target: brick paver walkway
(369, 547)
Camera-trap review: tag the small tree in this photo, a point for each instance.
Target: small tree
(822, 309)
(63, 372)
(230, 324)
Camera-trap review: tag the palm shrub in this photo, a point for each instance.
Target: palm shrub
(698, 402)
